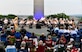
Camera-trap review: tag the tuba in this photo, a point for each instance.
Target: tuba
(15, 21)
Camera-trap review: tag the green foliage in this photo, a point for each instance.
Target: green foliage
(1, 16)
(37, 34)
(9, 16)
(80, 19)
(30, 17)
(48, 17)
(51, 16)
(60, 15)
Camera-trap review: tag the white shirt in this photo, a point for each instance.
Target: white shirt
(73, 32)
(5, 21)
(56, 28)
(61, 31)
(66, 31)
(76, 29)
(10, 47)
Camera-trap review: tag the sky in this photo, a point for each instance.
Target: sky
(25, 7)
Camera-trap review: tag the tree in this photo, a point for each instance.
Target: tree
(51, 16)
(62, 15)
(30, 17)
(1, 16)
(11, 16)
(59, 15)
(80, 19)
(48, 17)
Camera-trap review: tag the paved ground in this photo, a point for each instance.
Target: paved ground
(38, 31)
(43, 29)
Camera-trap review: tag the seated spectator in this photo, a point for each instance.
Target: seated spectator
(62, 40)
(73, 31)
(42, 37)
(81, 44)
(81, 50)
(60, 46)
(71, 40)
(22, 22)
(70, 22)
(67, 34)
(41, 47)
(5, 21)
(23, 31)
(66, 24)
(1, 28)
(27, 22)
(76, 28)
(18, 43)
(54, 38)
(11, 39)
(8, 31)
(29, 42)
(34, 22)
(61, 29)
(33, 35)
(2, 46)
(55, 22)
(69, 46)
(56, 29)
(25, 38)
(2, 49)
(74, 49)
(49, 41)
(66, 30)
(1, 22)
(35, 41)
(22, 49)
(23, 44)
(10, 48)
(13, 31)
(62, 22)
